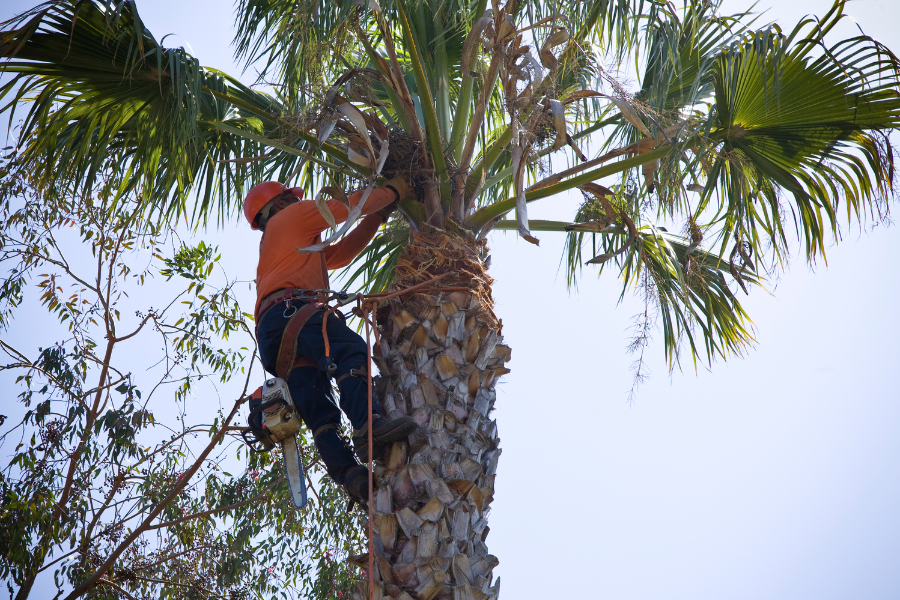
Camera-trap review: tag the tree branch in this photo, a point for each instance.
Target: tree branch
(94, 579)
(214, 511)
(117, 588)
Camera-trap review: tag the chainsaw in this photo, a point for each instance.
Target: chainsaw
(273, 421)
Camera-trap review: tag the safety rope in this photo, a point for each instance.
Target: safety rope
(371, 503)
(366, 304)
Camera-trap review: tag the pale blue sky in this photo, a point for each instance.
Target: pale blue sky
(774, 476)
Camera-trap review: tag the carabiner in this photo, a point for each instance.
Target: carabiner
(330, 366)
(285, 313)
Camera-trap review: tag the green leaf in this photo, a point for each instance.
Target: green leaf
(432, 127)
(809, 125)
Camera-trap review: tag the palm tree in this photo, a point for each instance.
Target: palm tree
(738, 131)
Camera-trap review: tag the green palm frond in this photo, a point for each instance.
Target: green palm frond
(301, 45)
(681, 54)
(697, 305)
(373, 270)
(98, 87)
(435, 130)
(811, 126)
(617, 26)
(697, 308)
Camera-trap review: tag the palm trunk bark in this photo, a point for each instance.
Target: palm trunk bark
(440, 356)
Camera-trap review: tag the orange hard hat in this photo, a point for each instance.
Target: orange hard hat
(258, 196)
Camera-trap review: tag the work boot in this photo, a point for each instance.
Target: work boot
(384, 431)
(356, 483)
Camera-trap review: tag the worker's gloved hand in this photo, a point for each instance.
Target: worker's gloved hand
(401, 184)
(404, 190)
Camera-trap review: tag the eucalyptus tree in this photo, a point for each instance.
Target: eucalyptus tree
(108, 467)
(743, 135)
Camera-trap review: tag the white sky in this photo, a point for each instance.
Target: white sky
(773, 476)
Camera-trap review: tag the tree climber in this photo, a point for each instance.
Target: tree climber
(289, 320)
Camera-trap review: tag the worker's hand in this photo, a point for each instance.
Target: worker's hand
(401, 184)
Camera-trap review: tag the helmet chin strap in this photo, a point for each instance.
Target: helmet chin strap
(263, 214)
(271, 207)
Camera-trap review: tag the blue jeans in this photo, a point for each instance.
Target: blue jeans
(311, 388)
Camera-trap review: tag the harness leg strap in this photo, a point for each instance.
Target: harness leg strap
(360, 372)
(323, 428)
(287, 350)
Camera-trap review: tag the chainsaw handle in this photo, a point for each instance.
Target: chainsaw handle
(252, 442)
(264, 406)
(253, 436)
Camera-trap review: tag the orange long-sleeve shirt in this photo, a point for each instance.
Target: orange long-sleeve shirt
(299, 225)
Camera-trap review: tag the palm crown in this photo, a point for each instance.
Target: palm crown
(738, 131)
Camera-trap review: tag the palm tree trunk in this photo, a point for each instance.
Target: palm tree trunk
(440, 355)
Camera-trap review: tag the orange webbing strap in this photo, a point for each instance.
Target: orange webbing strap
(332, 310)
(371, 498)
(325, 333)
(324, 268)
(287, 351)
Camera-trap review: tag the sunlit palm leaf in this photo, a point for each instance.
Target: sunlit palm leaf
(296, 43)
(682, 52)
(697, 305)
(373, 270)
(809, 125)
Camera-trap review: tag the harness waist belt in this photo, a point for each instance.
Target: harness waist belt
(282, 296)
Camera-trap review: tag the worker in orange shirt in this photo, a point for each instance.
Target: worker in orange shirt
(289, 321)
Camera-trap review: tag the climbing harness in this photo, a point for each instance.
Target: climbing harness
(273, 419)
(287, 359)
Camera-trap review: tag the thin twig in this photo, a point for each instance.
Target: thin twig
(117, 588)
(182, 585)
(214, 511)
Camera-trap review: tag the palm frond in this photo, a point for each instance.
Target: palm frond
(98, 87)
(814, 127)
(678, 71)
(373, 270)
(300, 45)
(433, 129)
(697, 305)
(697, 308)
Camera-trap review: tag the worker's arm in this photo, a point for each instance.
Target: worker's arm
(311, 220)
(341, 253)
